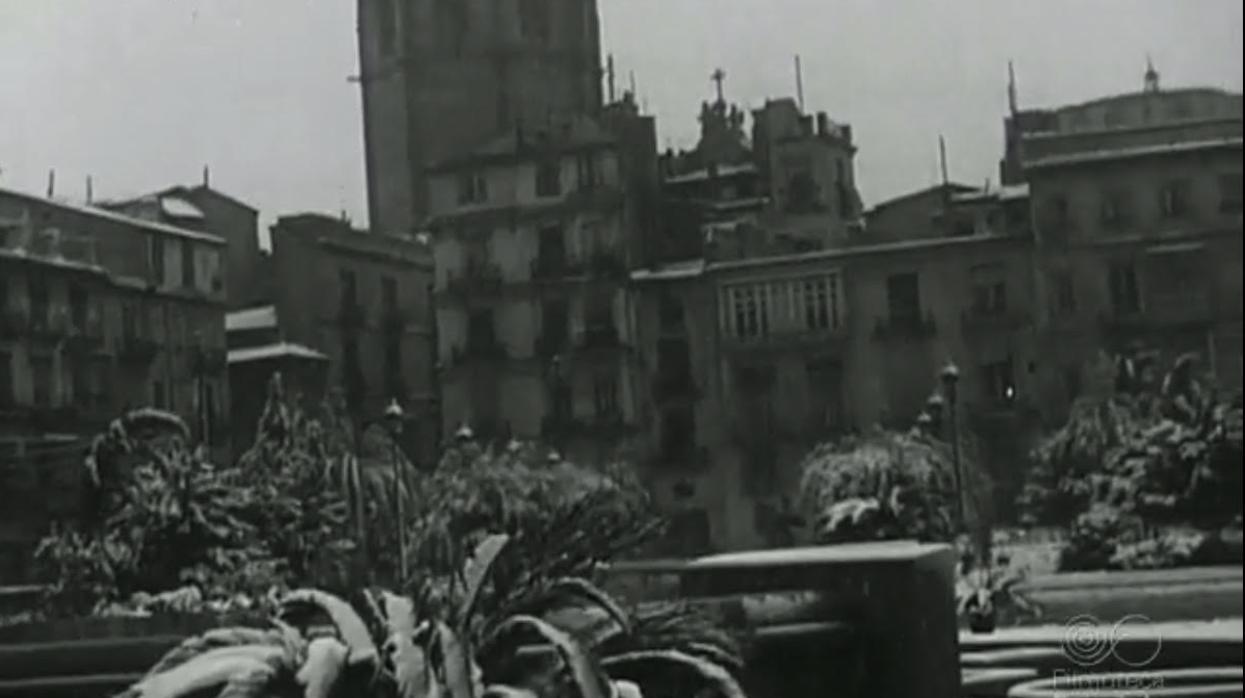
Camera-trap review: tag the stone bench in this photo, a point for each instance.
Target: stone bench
(868, 619)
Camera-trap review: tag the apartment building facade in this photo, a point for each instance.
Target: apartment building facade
(1137, 208)
(101, 313)
(363, 301)
(532, 237)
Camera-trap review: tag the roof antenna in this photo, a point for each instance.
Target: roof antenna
(89, 194)
(1011, 88)
(1152, 76)
(942, 159)
(51, 183)
(207, 177)
(609, 72)
(799, 82)
(631, 75)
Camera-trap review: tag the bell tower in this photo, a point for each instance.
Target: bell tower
(441, 77)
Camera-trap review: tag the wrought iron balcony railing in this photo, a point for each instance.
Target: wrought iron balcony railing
(912, 327)
(475, 279)
(554, 268)
(979, 320)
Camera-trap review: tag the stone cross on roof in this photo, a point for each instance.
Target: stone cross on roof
(719, 77)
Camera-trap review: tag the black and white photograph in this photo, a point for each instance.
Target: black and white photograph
(621, 348)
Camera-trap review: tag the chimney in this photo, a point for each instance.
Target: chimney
(823, 124)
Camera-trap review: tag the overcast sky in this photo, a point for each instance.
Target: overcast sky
(143, 93)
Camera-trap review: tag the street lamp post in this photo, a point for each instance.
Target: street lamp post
(394, 418)
(950, 377)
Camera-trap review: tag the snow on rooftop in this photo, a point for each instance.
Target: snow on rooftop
(671, 272)
(274, 351)
(178, 207)
(261, 318)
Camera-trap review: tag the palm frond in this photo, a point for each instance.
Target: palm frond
(646, 664)
(578, 662)
(349, 624)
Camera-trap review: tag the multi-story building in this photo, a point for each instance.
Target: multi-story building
(792, 189)
(441, 77)
(1136, 202)
(101, 312)
(533, 239)
(207, 210)
(758, 360)
(363, 301)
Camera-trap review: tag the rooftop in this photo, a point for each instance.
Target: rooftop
(953, 187)
(104, 214)
(673, 271)
(1131, 152)
(707, 173)
(280, 350)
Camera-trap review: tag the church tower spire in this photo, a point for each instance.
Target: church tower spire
(1152, 77)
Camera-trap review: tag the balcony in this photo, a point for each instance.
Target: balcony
(672, 385)
(981, 320)
(828, 340)
(480, 349)
(551, 268)
(607, 265)
(477, 279)
(549, 345)
(86, 334)
(599, 427)
(13, 322)
(910, 328)
(395, 320)
(602, 337)
(137, 350)
(1167, 310)
(50, 325)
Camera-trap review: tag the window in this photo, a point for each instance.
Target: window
(188, 265)
(749, 312)
(589, 177)
(549, 178)
(678, 432)
(670, 312)
(1064, 294)
(534, 19)
(817, 304)
(801, 192)
(472, 188)
(903, 299)
(37, 288)
(551, 245)
(6, 379)
(1230, 193)
(156, 259)
(1116, 209)
(81, 373)
(78, 307)
(1174, 199)
(389, 294)
(599, 311)
(999, 383)
(555, 324)
(1058, 213)
(480, 329)
(347, 287)
(158, 394)
(1123, 289)
(387, 23)
(393, 358)
(825, 389)
(989, 290)
(605, 395)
